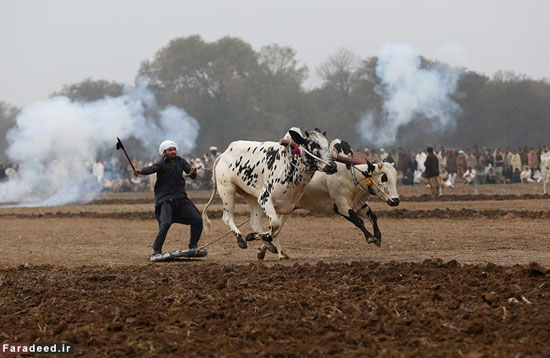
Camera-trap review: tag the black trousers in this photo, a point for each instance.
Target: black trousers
(181, 211)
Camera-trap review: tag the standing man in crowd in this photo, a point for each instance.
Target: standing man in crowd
(499, 165)
(545, 168)
(515, 161)
(451, 164)
(471, 160)
(533, 161)
(212, 157)
(171, 202)
(432, 172)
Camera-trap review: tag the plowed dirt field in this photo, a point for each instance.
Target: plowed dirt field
(463, 276)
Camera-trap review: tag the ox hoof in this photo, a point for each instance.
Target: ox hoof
(267, 238)
(374, 240)
(271, 247)
(283, 256)
(251, 236)
(242, 244)
(261, 253)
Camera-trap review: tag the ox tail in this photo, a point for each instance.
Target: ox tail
(205, 219)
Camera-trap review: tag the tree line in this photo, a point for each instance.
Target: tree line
(237, 92)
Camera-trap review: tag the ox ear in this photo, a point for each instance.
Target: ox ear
(379, 166)
(296, 137)
(346, 148)
(371, 166)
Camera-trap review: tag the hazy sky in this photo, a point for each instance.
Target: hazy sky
(47, 43)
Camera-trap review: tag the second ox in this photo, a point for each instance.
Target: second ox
(346, 192)
(272, 180)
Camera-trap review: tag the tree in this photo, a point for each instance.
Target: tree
(90, 90)
(233, 91)
(338, 71)
(343, 97)
(8, 114)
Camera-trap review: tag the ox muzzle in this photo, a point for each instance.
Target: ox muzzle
(330, 169)
(393, 201)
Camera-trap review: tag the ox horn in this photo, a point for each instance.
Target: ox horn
(287, 142)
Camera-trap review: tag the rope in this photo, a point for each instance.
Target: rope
(224, 235)
(314, 156)
(358, 182)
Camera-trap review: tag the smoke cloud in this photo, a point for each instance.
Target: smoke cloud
(56, 141)
(409, 92)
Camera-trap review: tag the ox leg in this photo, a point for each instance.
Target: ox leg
(276, 246)
(255, 218)
(256, 224)
(274, 226)
(261, 252)
(276, 243)
(357, 221)
(374, 221)
(227, 194)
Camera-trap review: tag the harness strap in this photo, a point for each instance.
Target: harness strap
(314, 156)
(358, 182)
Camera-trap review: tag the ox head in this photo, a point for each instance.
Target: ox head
(317, 144)
(385, 177)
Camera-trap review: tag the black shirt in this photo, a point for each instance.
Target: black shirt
(170, 182)
(432, 166)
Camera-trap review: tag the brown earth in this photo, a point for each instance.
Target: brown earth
(453, 278)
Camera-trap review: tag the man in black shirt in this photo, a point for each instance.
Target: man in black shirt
(171, 202)
(432, 172)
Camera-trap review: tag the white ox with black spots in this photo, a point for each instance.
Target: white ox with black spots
(271, 178)
(346, 193)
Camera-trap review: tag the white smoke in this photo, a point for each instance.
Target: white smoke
(56, 141)
(409, 91)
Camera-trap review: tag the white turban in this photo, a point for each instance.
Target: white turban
(167, 144)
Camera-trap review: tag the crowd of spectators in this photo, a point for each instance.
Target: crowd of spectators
(471, 166)
(116, 174)
(457, 166)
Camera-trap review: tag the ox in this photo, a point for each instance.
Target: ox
(271, 178)
(346, 192)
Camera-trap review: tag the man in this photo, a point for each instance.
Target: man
(402, 160)
(499, 165)
(171, 201)
(451, 164)
(470, 176)
(533, 161)
(373, 157)
(383, 155)
(515, 161)
(525, 175)
(461, 164)
(491, 176)
(212, 156)
(432, 172)
(420, 160)
(471, 160)
(544, 164)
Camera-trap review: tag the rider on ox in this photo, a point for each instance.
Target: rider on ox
(346, 192)
(271, 177)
